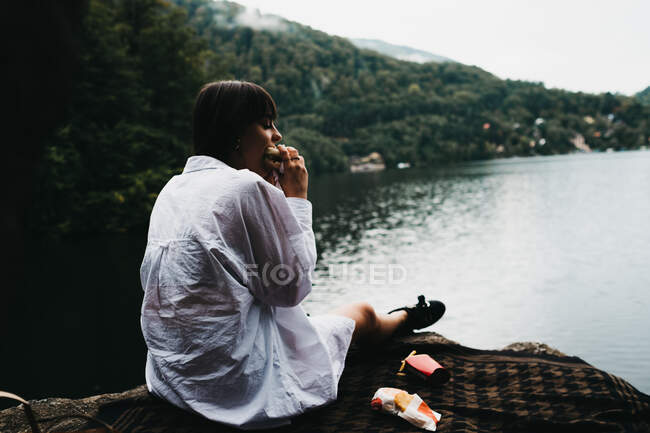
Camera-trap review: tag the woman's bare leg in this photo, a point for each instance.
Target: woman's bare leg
(371, 327)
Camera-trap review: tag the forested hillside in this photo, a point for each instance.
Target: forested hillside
(644, 96)
(127, 127)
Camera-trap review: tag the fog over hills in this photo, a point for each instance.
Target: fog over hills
(237, 15)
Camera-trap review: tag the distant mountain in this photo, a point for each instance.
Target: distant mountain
(399, 52)
(644, 96)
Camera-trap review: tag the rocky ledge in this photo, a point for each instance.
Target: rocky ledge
(522, 387)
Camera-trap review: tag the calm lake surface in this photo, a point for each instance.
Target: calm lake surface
(551, 249)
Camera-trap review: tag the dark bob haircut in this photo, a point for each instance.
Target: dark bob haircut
(222, 112)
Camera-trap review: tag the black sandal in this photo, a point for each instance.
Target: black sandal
(420, 315)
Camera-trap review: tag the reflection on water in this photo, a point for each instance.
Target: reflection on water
(549, 249)
(552, 249)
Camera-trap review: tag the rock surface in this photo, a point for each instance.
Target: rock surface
(489, 391)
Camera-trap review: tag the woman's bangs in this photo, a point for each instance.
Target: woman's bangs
(265, 107)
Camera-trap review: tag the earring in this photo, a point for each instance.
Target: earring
(237, 143)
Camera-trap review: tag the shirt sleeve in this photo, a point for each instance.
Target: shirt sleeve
(303, 212)
(282, 243)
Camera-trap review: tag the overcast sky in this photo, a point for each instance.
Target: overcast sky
(590, 46)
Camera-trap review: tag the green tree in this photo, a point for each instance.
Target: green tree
(127, 125)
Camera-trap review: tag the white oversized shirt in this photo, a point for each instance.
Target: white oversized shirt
(227, 262)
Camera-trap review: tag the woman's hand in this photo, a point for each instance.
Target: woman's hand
(294, 179)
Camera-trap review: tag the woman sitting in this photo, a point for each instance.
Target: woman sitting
(229, 258)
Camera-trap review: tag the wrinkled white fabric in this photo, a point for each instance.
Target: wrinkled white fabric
(223, 340)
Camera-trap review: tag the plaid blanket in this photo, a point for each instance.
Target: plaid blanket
(489, 391)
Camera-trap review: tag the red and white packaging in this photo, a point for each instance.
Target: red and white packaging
(408, 406)
(427, 368)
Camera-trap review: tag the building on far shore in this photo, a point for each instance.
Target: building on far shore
(579, 142)
(371, 162)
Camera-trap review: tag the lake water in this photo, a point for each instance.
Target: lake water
(551, 249)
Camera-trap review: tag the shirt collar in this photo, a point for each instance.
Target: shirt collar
(203, 162)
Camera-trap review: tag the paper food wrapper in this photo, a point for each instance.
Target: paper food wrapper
(276, 176)
(408, 406)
